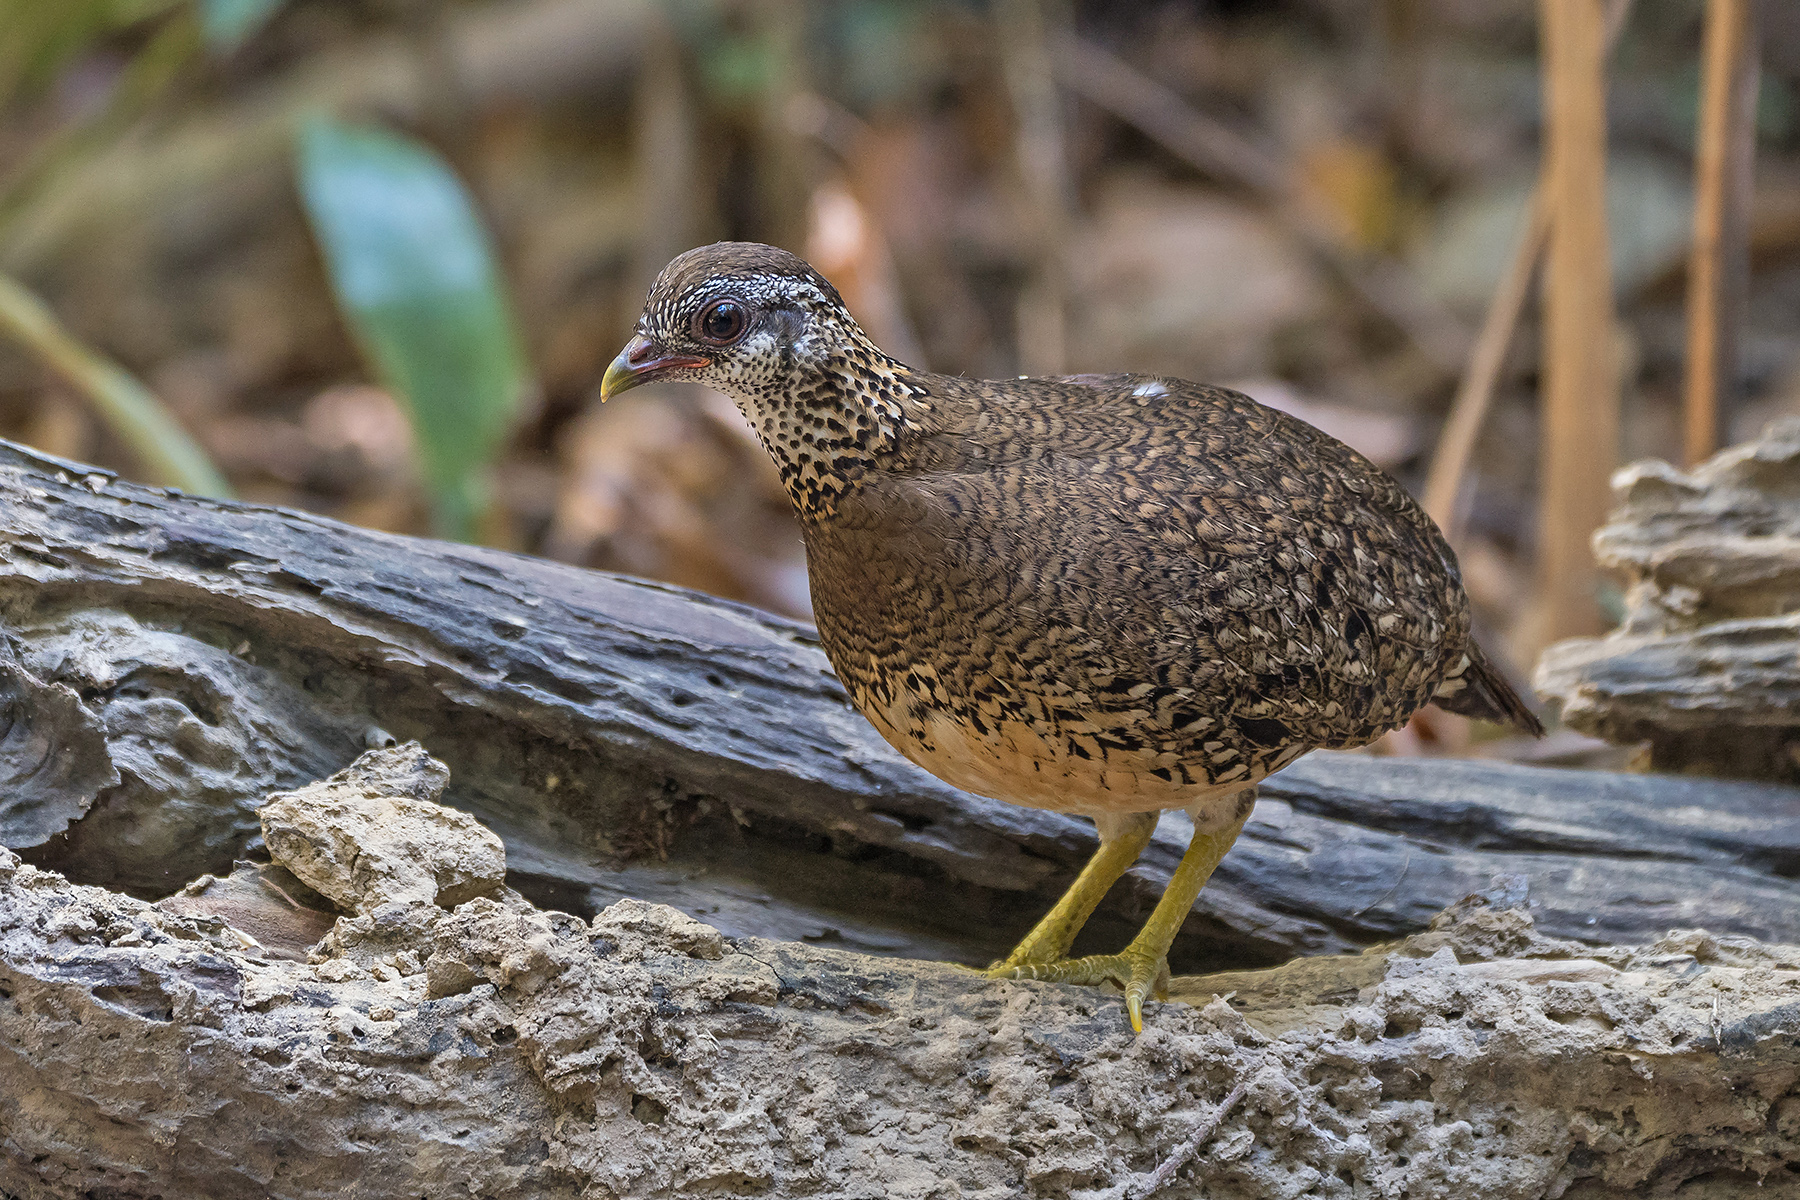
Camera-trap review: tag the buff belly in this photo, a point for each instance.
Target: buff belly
(1015, 762)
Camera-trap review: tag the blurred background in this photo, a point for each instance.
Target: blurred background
(369, 258)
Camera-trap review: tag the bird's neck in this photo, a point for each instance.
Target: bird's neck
(828, 424)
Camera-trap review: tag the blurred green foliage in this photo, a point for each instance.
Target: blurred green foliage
(877, 52)
(38, 41)
(168, 453)
(228, 22)
(414, 276)
(38, 38)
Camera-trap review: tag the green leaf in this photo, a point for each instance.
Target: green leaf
(415, 278)
(227, 23)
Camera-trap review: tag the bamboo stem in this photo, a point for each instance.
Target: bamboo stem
(1719, 267)
(1580, 413)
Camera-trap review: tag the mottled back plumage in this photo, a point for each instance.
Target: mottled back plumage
(1106, 593)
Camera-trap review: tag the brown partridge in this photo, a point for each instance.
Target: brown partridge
(1104, 594)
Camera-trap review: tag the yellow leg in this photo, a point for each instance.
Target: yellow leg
(1144, 964)
(1122, 839)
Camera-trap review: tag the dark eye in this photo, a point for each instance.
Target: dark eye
(721, 322)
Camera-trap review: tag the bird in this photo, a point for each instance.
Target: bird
(1107, 595)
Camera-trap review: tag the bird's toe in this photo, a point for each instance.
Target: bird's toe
(1139, 972)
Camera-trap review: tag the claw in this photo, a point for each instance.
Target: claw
(1144, 977)
(1135, 971)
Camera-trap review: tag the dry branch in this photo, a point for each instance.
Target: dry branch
(1382, 284)
(1719, 265)
(1580, 422)
(1474, 395)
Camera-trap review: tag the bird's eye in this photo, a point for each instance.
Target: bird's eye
(721, 322)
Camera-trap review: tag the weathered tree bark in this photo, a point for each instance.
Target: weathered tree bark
(630, 739)
(167, 662)
(1704, 666)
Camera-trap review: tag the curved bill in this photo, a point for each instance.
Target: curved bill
(638, 363)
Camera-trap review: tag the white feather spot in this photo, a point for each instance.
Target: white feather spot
(1146, 391)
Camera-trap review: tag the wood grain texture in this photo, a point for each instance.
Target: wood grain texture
(627, 738)
(1702, 667)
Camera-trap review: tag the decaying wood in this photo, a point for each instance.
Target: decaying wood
(167, 662)
(629, 739)
(1703, 667)
(494, 1049)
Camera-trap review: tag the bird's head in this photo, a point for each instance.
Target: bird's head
(762, 326)
(734, 315)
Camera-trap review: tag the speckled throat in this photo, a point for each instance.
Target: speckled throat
(825, 420)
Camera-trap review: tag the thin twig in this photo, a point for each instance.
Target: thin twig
(1475, 394)
(276, 888)
(1190, 1146)
(1161, 113)
(1223, 153)
(1718, 269)
(133, 411)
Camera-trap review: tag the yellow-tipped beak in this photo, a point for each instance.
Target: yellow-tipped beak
(639, 362)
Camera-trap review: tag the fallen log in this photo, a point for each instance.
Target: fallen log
(632, 739)
(378, 1010)
(492, 1048)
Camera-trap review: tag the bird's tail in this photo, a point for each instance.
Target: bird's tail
(1478, 689)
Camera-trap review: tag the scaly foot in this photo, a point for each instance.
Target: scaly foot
(1140, 970)
(1122, 838)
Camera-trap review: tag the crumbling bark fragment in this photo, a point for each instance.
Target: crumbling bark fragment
(1705, 667)
(371, 835)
